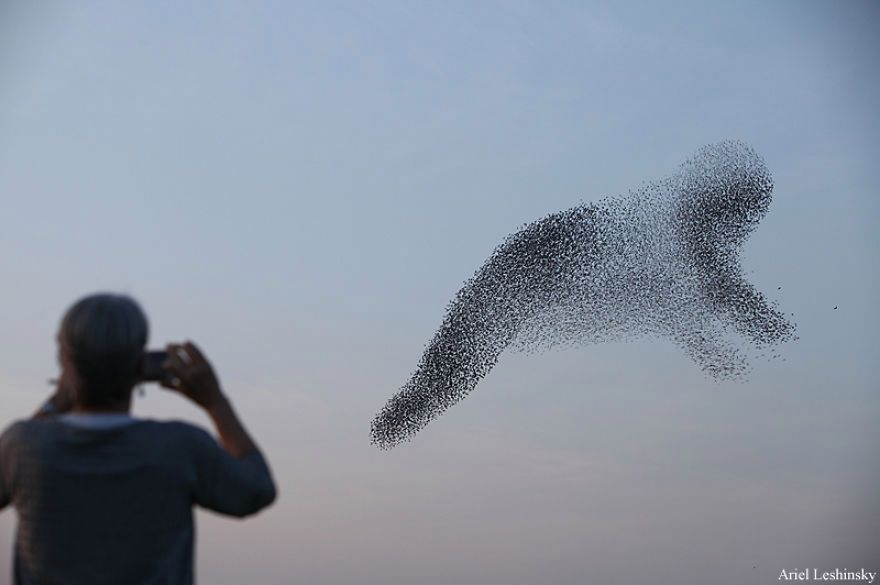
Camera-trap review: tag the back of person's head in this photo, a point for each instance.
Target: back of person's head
(103, 336)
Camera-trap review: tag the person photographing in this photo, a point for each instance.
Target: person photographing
(104, 497)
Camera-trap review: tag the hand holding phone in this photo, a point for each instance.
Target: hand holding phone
(188, 371)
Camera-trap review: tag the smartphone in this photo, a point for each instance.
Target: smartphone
(153, 361)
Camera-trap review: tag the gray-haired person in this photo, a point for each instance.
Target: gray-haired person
(103, 497)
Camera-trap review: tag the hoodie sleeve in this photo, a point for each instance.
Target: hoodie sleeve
(231, 486)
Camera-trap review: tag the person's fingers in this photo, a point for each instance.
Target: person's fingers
(199, 368)
(194, 352)
(167, 364)
(174, 357)
(172, 382)
(177, 349)
(181, 352)
(171, 350)
(179, 372)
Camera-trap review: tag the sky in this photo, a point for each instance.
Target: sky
(302, 187)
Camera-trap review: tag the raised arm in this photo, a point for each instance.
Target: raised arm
(234, 480)
(191, 374)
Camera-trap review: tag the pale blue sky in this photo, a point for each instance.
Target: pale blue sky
(301, 188)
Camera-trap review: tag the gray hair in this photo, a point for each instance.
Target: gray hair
(104, 336)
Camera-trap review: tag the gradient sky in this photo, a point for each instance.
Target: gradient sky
(301, 187)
